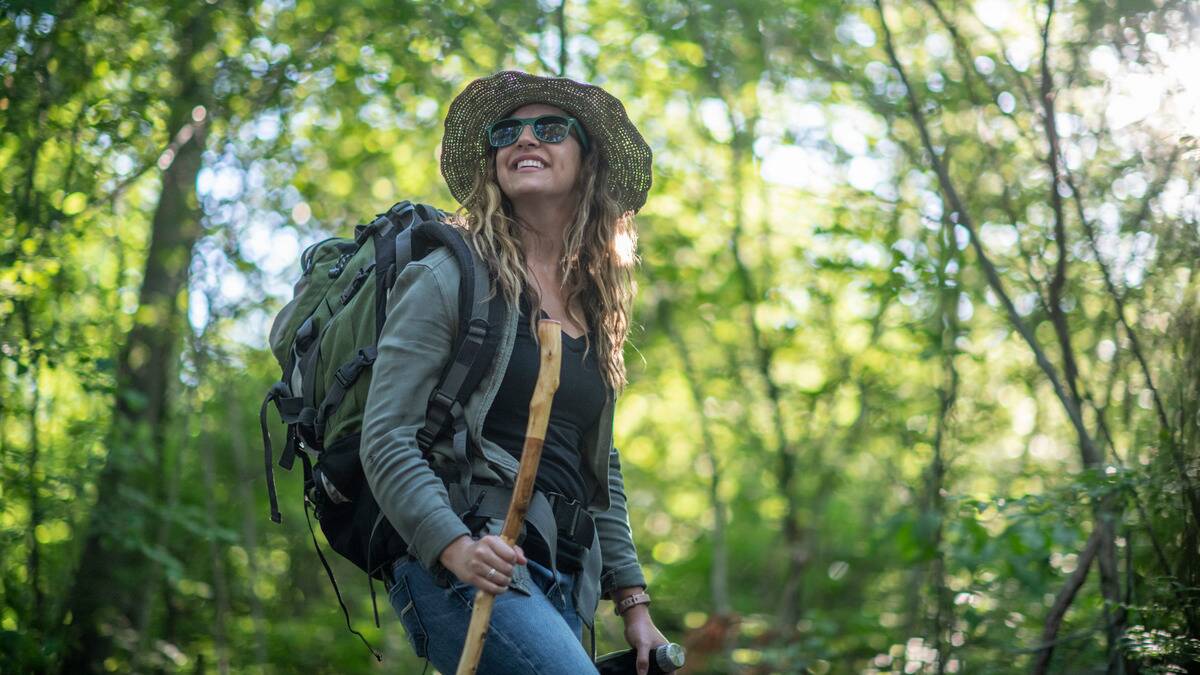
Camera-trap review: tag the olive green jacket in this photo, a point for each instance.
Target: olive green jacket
(417, 338)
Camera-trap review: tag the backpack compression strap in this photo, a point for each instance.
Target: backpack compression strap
(382, 231)
(386, 228)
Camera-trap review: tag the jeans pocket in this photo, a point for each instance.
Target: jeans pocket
(402, 602)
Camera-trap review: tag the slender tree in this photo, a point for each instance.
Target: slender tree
(145, 367)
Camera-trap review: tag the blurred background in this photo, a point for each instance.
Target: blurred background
(916, 351)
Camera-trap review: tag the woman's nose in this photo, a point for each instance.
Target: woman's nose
(527, 137)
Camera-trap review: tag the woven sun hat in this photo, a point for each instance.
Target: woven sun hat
(608, 128)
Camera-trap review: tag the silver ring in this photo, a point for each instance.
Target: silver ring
(491, 573)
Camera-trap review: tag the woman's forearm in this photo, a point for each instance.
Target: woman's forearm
(620, 594)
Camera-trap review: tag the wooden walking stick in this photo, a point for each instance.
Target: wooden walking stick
(550, 341)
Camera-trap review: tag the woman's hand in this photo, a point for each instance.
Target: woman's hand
(472, 561)
(642, 635)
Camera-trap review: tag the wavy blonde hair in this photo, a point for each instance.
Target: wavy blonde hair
(599, 253)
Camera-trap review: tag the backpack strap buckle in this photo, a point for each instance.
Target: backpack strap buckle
(440, 413)
(348, 373)
(477, 329)
(576, 529)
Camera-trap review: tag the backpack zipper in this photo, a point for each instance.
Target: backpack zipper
(306, 258)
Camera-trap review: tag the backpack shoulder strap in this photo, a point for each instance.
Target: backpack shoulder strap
(473, 288)
(478, 338)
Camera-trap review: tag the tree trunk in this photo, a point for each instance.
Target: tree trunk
(796, 550)
(108, 595)
(250, 515)
(719, 575)
(796, 547)
(157, 587)
(34, 560)
(947, 323)
(207, 449)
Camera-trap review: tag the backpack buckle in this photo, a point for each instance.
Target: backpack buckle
(477, 329)
(576, 530)
(440, 401)
(348, 373)
(425, 438)
(439, 413)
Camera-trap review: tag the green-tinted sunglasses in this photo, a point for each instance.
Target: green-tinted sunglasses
(548, 128)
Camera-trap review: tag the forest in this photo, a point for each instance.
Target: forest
(915, 358)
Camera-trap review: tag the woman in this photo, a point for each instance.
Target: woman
(549, 172)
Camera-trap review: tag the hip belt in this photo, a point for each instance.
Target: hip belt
(562, 523)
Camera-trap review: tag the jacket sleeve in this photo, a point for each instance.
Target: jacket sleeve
(413, 348)
(620, 566)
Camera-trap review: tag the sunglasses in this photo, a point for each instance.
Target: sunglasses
(548, 128)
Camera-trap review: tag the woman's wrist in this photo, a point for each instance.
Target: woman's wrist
(452, 550)
(636, 613)
(446, 567)
(631, 599)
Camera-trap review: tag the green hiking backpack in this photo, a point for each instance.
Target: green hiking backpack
(325, 340)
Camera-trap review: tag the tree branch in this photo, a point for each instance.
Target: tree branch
(1168, 434)
(1064, 599)
(1057, 317)
(562, 38)
(964, 219)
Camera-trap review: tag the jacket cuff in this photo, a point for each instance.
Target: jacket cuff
(621, 577)
(434, 534)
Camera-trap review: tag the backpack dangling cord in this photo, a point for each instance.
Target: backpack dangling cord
(268, 453)
(329, 572)
(374, 605)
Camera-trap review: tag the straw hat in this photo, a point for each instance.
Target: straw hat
(608, 127)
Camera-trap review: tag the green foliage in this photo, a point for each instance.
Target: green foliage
(841, 453)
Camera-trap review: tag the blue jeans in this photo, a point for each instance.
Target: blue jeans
(530, 634)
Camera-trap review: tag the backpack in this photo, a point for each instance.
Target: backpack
(325, 341)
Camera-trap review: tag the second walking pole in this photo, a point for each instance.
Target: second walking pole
(550, 349)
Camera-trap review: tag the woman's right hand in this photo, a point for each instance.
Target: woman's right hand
(471, 560)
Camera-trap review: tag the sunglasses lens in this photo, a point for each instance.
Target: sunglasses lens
(504, 132)
(551, 129)
(548, 128)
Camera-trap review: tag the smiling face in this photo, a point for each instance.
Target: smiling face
(534, 169)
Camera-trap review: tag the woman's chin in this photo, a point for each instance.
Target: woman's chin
(532, 193)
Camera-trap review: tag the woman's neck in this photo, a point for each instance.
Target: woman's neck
(544, 223)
